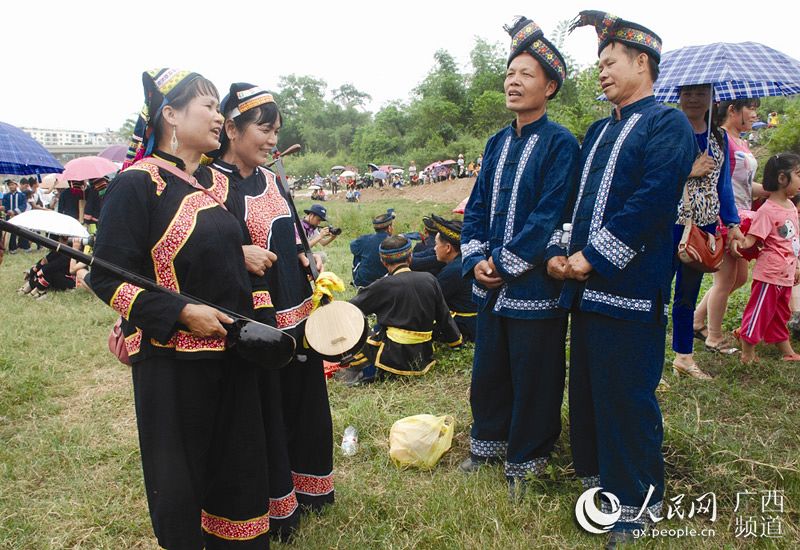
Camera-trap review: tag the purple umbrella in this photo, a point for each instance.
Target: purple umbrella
(114, 153)
(21, 154)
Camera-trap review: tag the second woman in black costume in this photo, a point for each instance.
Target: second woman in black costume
(297, 413)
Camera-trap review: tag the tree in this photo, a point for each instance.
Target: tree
(126, 130)
(488, 70)
(348, 95)
(489, 113)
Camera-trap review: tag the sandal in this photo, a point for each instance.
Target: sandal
(699, 334)
(722, 348)
(791, 358)
(692, 371)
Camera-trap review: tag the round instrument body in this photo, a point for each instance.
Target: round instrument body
(337, 331)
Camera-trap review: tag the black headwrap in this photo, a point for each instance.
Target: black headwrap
(610, 27)
(527, 36)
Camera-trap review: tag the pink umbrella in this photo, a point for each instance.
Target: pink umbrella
(448, 162)
(86, 168)
(433, 165)
(115, 153)
(461, 206)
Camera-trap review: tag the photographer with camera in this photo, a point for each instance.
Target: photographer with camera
(314, 233)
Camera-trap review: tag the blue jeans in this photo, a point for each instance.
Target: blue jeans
(687, 289)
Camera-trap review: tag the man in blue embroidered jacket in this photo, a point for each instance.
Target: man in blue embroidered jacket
(367, 266)
(618, 265)
(528, 172)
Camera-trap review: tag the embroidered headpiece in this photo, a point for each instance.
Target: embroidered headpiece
(428, 223)
(242, 97)
(610, 27)
(395, 255)
(160, 86)
(527, 36)
(449, 230)
(383, 221)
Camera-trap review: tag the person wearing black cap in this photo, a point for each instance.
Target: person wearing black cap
(315, 214)
(367, 266)
(409, 307)
(198, 407)
(617, 258)
(424, 256)
(297, 415)
(456, 289)
(429, 239)
(528, 173)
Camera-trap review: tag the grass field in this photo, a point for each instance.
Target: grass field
(70, 473)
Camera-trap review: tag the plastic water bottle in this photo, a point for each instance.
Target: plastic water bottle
(567, 233)
(350, 441)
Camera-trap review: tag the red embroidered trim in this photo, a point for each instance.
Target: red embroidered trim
(306, 484)
(185, 341)
(155, 177)
(123, 298)
(133, 343)
(261, 211)
(289, 318)
(281, 508)
(261, 299)
(180, 229)
(229, 529)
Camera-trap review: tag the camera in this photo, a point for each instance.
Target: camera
(335, 230)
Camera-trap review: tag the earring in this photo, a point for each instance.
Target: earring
(174, 141)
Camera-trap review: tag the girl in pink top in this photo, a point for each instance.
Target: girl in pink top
(776, 226)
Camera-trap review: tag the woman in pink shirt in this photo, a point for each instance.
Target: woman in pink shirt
(776, 226)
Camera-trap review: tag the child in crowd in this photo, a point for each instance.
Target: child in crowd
(776, 226)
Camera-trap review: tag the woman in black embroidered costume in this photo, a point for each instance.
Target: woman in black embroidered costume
(198, 408)
(282, 296)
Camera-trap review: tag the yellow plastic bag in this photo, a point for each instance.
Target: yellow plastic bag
(420, 440)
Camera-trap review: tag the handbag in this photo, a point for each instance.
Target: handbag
(116, 343)
(697, 249)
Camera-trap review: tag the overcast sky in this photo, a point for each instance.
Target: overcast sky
(77, 65)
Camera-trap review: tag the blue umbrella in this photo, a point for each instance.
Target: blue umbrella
(758, 125)
(379, 174)
(21, 154)
(737, 71)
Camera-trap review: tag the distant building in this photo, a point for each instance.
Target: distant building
(51, 138)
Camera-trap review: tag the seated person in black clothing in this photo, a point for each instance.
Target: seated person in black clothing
(429, 236)
(409, 307)
(50, 273)
(424, 257)
(456, 289)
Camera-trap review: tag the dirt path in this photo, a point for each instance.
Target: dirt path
(453, 191)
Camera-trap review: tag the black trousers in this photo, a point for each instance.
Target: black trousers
(517, 389)
(309, 429)
(203, 452)
(616, 430)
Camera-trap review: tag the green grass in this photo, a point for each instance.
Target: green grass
(70, 475)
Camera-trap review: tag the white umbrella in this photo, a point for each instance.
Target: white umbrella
(314, 187)
(347, 174)
(338, 167)
(50, 222)
(397, 171)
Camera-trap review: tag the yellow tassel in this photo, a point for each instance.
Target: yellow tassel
(326, 284)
